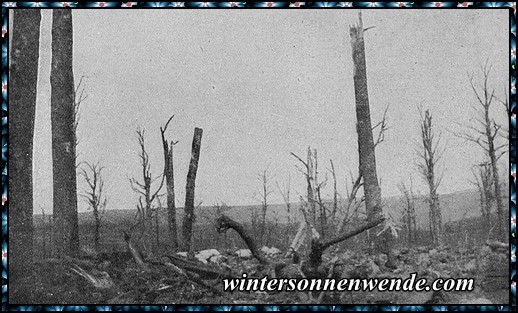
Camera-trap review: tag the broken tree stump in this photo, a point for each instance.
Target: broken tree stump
(189, 217)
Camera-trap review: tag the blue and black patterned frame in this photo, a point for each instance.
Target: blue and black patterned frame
(511, 6)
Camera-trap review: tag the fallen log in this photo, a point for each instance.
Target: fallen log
(135, 253)
(204, 270)
(313, 261)
(100, 280)
(189, 276)
(318, 247)
(224, 223)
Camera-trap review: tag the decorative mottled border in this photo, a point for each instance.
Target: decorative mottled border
(512, 154)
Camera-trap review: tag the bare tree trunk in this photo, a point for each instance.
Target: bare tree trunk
(502, 225)
(409, 212)
(365, 139)
(63, 135)
(286, 197)
(97, 229)
(265, 234)
(145, 210)
(169, 179)
(157, 228)
(171, 206)
(429, 156)
(484, 182)
(311, 188)
(189, 217)
(22, 106)
(335, 191)
(264, 210)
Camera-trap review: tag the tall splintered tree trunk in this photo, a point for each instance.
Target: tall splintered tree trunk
(171, 206)
(169, 179)
(430, 155)
(365, 139)
(189, 217)
(22, 105)
(63, 135)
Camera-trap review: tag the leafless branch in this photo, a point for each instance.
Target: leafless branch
(383, 127)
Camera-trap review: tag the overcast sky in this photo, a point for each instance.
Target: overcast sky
(264, 83)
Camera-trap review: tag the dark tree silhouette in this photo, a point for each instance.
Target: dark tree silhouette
(169, 179)
(23, 76)
(189, 216)
(63, 135)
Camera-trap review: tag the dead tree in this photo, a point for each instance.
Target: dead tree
(23, 75)
(335, 191)
(169, 180)
(286, 197)
(484, 133)
(264, 194)
(318, 195)
(353, 204)
(94, 195)
(63, 135)
(309, 174)
(145, 208)
(189, 217)
(366, 145)
(484, 182)
(286, 194)
(409, 215)
(429, 154)
(308, 205)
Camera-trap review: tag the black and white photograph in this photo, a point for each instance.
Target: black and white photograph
(258, 156)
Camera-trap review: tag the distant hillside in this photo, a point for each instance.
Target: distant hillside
(455, 206)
